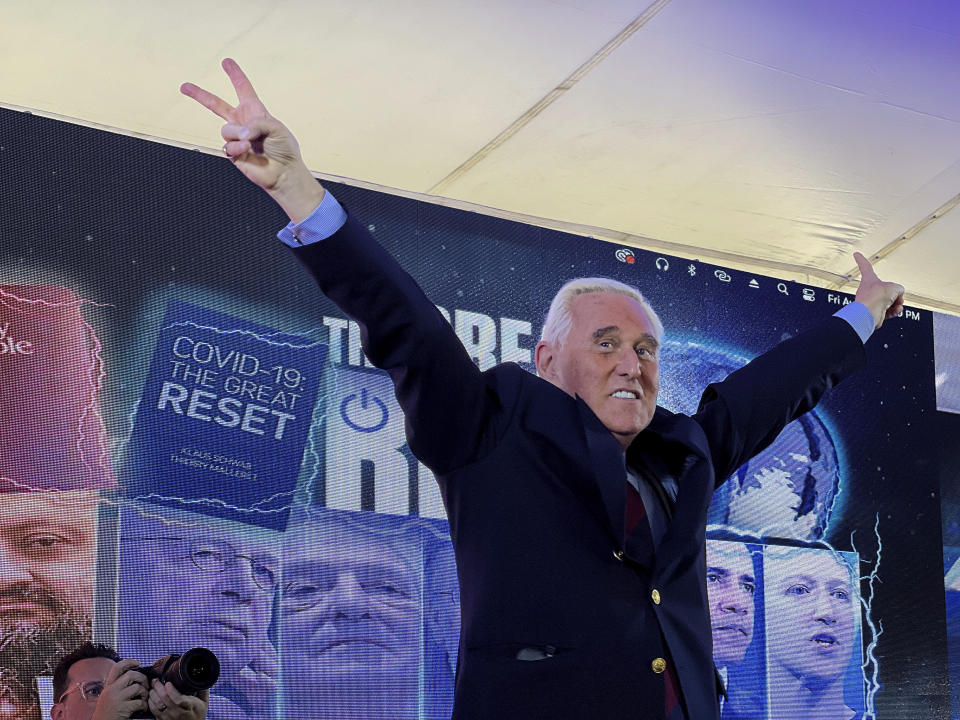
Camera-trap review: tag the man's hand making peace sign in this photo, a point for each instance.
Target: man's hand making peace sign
(261, 146)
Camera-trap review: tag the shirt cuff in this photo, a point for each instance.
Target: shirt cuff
(319, 225)
(859, 317)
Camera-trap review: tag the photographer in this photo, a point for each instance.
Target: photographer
(93, 683)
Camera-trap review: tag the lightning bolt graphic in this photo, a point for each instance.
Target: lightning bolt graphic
(314, 456)
(216, 502)
(871, 665)
(262, 337)
(95, 374)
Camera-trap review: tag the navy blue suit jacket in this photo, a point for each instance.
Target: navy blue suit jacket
(534, 487)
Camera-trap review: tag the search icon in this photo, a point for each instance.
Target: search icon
(782, 287)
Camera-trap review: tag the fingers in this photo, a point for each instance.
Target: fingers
(234, 150)
(897, 307)
(175, 695)
(241, 139)
(236, 140)
(255, 129)
(120, 668)
(169, 702)
(241, 82)
(158, 701)
(866, 268)
(231, 131)
(132, 686)
(210, 101)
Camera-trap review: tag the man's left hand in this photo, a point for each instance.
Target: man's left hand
(167, 703)
(884, 299)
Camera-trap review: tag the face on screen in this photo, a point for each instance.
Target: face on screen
(731, 586)
(810, 606)
(48, 546)
(349, 608)
(202, 585)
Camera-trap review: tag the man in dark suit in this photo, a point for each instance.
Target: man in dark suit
(576, 505)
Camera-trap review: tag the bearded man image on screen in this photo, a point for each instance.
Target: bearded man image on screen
(48, 546)
(811, 622)
(53, 460)
(349, 621)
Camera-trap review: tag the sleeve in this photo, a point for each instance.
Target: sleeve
(859, 317)
(328, 217)
(744, 413)
(447, 402)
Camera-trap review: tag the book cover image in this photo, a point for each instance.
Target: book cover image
(224, 417)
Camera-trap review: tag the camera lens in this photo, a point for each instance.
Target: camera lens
(196, 669)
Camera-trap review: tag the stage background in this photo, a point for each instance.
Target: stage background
(302, 476)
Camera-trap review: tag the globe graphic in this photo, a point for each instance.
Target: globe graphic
(788, 490)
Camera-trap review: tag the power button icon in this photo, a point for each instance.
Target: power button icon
(364, 412)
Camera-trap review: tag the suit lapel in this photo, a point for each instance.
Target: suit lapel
(609, 473)
(673, 445)
(589, 458)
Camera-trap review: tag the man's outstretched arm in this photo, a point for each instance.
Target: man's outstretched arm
(444, 397)
(747, 411)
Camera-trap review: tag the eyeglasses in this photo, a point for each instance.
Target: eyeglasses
(89, 690)
(217, 556)
(306, 593)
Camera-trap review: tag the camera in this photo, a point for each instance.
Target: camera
(197, 669)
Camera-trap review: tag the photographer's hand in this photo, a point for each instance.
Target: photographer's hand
(168, 703)
(124, 692)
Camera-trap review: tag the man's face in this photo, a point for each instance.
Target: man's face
(730, 590)
(73, 706)
(196, 586)
(810, 613)
(47, 554)
(349, 610)
(609, 358)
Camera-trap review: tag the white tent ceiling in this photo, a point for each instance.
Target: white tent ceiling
(776, 136)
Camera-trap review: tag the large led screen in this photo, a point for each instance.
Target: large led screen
(195, 451)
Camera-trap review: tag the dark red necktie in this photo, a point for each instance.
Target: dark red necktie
(638, 543)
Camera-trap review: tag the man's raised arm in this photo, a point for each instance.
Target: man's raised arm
(799, 370)
(402, 331)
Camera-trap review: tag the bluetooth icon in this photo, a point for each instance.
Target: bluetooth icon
(692, 269)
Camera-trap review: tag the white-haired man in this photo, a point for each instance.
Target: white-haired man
(581, 565)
